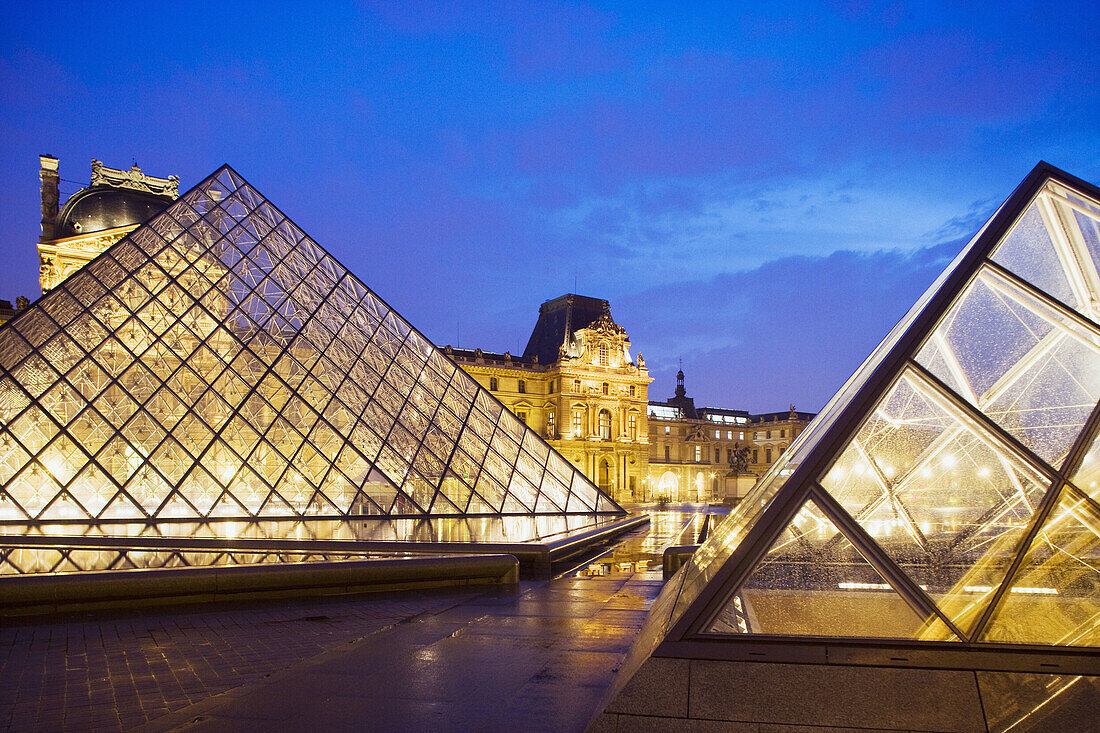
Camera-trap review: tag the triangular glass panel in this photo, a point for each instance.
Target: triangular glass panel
(938, 492)
(227, 506)
(1054, 247)
(222, 326)
(122, 507)
(1031, 368)
(64, 507)
(813, 582)
(1053, 598)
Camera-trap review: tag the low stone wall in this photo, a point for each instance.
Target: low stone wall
(40, 594)
(668, 694)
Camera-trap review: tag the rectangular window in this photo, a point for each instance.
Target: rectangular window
(522, 416)
(667, 429)
(729, 454)
(717, 434)
(551, 386)
(768, 455)
(632, 425)
(522, 386)
(769, 434)
(717, 455)
(782, 433)
(578, 418)
(632, 390)
(576, 385)
(729, 435)
(605, 356)
(666, 452)
(698, 453)
(550, 423)
(756, 456)
(756, 436)
(605, 388)
(741, 435)
(492, 384)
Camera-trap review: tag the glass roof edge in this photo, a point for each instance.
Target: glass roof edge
(710, 601)
(1000, 271)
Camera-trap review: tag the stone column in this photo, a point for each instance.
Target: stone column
(50, 179)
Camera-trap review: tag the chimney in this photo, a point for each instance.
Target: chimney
(50, 195)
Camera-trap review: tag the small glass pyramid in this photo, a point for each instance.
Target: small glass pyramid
(948, 492)
(218, 363)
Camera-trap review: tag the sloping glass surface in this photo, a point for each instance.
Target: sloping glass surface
(1087, 475)
(1053, 598)
(1029, 367)
(1054, 245)
(217, 362)
(945, 482)
(941, 495)
(813, 582)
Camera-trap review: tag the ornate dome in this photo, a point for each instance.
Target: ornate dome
(100, 207)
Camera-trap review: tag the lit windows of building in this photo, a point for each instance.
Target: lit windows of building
(632, 426)
(605, 425)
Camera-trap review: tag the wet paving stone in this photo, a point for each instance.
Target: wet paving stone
(534, 657)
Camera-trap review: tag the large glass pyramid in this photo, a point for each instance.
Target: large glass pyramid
(218, 363)
(949, 492)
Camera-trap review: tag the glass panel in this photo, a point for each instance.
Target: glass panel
(1031, 369)
(198, 354)
(726, 536)
(1055, 596)
(938, 493)
(813, 582)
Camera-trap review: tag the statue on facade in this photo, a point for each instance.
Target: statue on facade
(739, 459)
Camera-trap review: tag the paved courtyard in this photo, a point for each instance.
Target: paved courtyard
(534, 658)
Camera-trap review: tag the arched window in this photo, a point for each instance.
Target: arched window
(605, 424)
(667, 485)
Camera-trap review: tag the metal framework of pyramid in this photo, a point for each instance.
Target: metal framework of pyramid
(949, 492)
(217, 362)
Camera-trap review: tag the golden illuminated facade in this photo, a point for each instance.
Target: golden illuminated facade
(216, 362)
(710, 454)
(577, 385)
(113, 204)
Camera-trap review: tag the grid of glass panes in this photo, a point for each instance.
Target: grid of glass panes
(948, 473)
(218, 362)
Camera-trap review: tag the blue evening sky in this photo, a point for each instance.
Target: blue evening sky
(759, 189)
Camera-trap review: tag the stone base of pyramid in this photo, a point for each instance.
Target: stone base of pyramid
(704, 694)
(28, 595)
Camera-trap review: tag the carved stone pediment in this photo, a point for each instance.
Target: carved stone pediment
(134, 179)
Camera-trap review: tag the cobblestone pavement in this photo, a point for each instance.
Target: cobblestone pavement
(534, 658)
